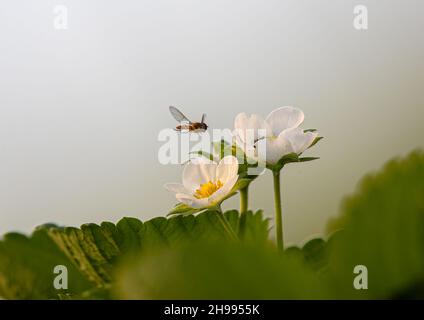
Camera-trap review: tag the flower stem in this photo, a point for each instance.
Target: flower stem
(244, 198)
(226, 224)
(278, 213)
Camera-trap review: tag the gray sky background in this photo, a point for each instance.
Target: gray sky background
(80, 109)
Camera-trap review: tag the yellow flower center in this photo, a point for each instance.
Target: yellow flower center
(207, 189)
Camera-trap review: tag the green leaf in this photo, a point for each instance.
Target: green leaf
(241, 184)
(95, 249)
(288, 158)
(317, 139)
(27, 264)
(256, 228)
(305, 159)
(315, 252)
(292, 157)
(102, 293)
(183, 209)
(220, 270)
(383, 226)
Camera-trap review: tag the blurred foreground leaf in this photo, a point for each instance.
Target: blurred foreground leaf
(26, 267)
(315, 252)
(91, 252)
(384, 231)
(221, 270)
(26, 264)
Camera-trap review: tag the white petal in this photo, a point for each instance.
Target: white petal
(237, 137)
(275, 149)
(223, 191)
(248, 149)
(176, 188)
(227, 168)
(299, 140)
(208, 170)
(192, 201)
(240, 121)
(251, 152)
(184, 198)
(198, 172)
(250, 128)
(284, 118)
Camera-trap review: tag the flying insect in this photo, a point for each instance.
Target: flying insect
(185, 124)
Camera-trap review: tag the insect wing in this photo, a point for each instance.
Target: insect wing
(178, 115)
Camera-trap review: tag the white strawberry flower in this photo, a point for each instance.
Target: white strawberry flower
(279, 131)
(277, 140)
(206, 183)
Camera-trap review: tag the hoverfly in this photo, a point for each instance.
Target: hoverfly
(186, 125)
